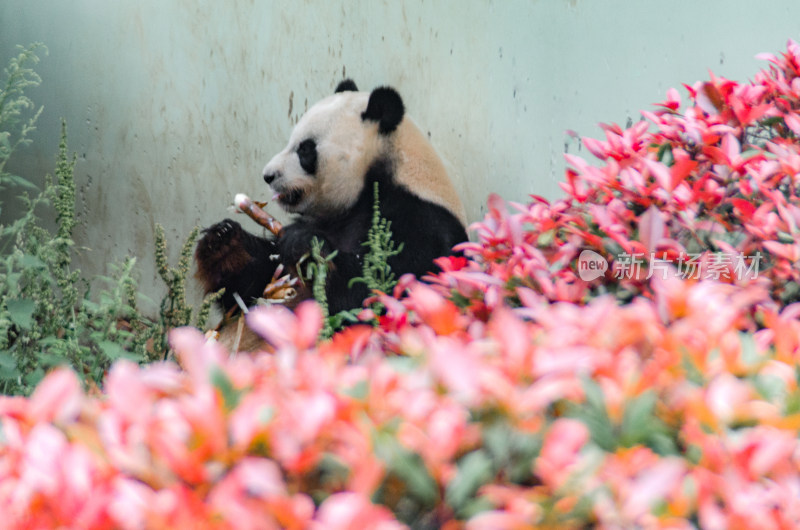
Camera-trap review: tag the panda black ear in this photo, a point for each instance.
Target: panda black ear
(385, 106)
(348, 85)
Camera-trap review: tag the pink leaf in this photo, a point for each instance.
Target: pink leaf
(283, 328)
(673, 99)
(731, 147)
(660, 172)
(793, 122)
(653, 485)
(309, 323)
(57, 398)
(596, 147)
(789, 252)
(560, 453)
(651, 228)
(767, 57)
(345, 511)
(195, 353)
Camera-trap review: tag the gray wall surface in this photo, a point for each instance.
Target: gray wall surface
(173, 106)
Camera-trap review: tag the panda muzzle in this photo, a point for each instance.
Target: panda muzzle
(291, 197)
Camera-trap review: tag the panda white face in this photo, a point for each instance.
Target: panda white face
(321, 171)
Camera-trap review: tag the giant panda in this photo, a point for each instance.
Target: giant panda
(325, 176)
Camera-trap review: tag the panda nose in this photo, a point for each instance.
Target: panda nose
(271, 176)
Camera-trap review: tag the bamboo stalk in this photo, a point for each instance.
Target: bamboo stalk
(246, 205)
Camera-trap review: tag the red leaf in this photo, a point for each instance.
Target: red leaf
(682, 167)
(746, 207)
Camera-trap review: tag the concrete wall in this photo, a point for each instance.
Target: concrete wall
(173, 106)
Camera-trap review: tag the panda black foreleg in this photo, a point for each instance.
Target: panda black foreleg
(295, 243)
(341, 295)
(230, 257)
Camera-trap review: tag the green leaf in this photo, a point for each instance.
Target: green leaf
(29, 261)
(8, 366)
(594, 394)
(21, 182)
(265, 415)
(750, 356)
(32, 378)
(784, 237)
(497, 440)
(512, 451)
(474, 470)
(91, 307)
(358, 391)
(21, 312)
(594, 414)
(637, 420)
(664, 149)
(403, 365)
(13, 279)
(693, 373)
(475, 506)
(112, 350)
(7, 362)
(793, 403)
(52, 359)
(411, 469)
(230, 395)
(408, 467)
(546, 239)
(770, 387)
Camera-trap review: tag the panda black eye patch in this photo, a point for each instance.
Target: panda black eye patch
(307, 153)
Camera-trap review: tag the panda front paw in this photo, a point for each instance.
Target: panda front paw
(296, 243)
(220, 253)
(220, 238)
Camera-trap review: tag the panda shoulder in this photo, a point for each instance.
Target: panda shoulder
(419, 169)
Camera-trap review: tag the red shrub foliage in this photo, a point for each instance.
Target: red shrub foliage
(511, 390)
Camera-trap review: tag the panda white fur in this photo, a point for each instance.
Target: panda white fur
(337, 151)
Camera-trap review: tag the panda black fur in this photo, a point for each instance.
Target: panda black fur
(326, 174)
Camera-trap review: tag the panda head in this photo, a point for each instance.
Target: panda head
(321, 171)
